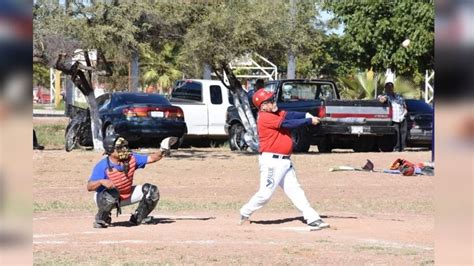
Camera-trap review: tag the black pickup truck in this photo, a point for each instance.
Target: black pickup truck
(361, 125)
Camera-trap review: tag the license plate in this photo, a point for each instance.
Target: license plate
(156, 114)
(357, 129)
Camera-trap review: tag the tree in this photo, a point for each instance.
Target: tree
(233, 29)
(160, 68)
(366, 85)
(117, 28)
(374, 31)
(40, 75)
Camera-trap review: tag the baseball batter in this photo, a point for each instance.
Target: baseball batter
(276, 169)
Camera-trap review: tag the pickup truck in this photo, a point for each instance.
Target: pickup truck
(204, 103)
(361, 125)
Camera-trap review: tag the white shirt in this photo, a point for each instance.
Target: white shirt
(398, 107)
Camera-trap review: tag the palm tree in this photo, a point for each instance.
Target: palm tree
(363, 85)
(159, 68)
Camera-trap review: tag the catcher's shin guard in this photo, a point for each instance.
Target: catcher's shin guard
(106, 201)
(150, 199)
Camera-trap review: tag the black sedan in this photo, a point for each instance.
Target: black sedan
(139, 117)
(420, 123)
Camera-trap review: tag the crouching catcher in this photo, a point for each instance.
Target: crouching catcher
(112, 181)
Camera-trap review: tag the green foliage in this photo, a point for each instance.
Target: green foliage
(363, 85)
(117, 28)
(159, 68)
(236, 28)
(178, 39)
(40, 75)
(407, 88)
(374, 31)
(360, 86)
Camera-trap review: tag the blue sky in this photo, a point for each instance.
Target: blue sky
(325, 16)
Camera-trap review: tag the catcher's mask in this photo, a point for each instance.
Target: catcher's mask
(118, 143)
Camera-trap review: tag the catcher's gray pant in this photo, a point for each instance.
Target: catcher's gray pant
(279, 172)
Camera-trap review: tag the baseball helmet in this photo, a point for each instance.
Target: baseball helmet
(260, 96)
(109, 143)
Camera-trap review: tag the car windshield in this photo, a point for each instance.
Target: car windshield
(294, 91)
(140, 98)
(188, 90)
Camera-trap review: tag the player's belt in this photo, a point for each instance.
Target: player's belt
(276, 156)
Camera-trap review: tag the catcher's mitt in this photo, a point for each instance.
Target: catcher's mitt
(166, 144)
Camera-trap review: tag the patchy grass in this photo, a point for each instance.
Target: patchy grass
(43, 258)
(164, 205)
(427, 262)
(323, 241)
(48, 106)
(169, 205)
(50, 135)
(219, 144)
(368, 248)
(386, 250)
(57, 205)
(371, 206)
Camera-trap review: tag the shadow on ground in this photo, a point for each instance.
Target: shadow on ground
(162, 220)
(300, 218)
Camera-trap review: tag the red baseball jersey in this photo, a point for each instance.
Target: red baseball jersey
(271, 136)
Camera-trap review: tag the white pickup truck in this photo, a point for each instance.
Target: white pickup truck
(204, 103)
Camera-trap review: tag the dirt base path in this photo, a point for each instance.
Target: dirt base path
(374, 217)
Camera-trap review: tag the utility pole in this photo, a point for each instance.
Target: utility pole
(291, 69)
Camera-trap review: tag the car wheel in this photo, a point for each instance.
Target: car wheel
(109, 130)
(71, 136)
(177, 144)
(236, 138)
(325, 146)
(363, 144)
(301, 142)
(385, 143)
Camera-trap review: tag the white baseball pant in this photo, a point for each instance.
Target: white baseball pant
(278, 171)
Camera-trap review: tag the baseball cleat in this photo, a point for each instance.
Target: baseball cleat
(244, 220)
(318, 224)
(134, 221)
(99, 224)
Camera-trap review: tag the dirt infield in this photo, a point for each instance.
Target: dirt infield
(375, 218)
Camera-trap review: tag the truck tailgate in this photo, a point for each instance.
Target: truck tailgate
(357, 110)
(359, 117)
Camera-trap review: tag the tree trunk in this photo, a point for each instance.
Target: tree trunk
(241, 104)
(69, 93)
(78, 77)
(96, 123)
(134, 72)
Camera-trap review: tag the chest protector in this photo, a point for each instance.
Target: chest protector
(123, 181)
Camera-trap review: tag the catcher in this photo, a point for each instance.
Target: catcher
(112, 181)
